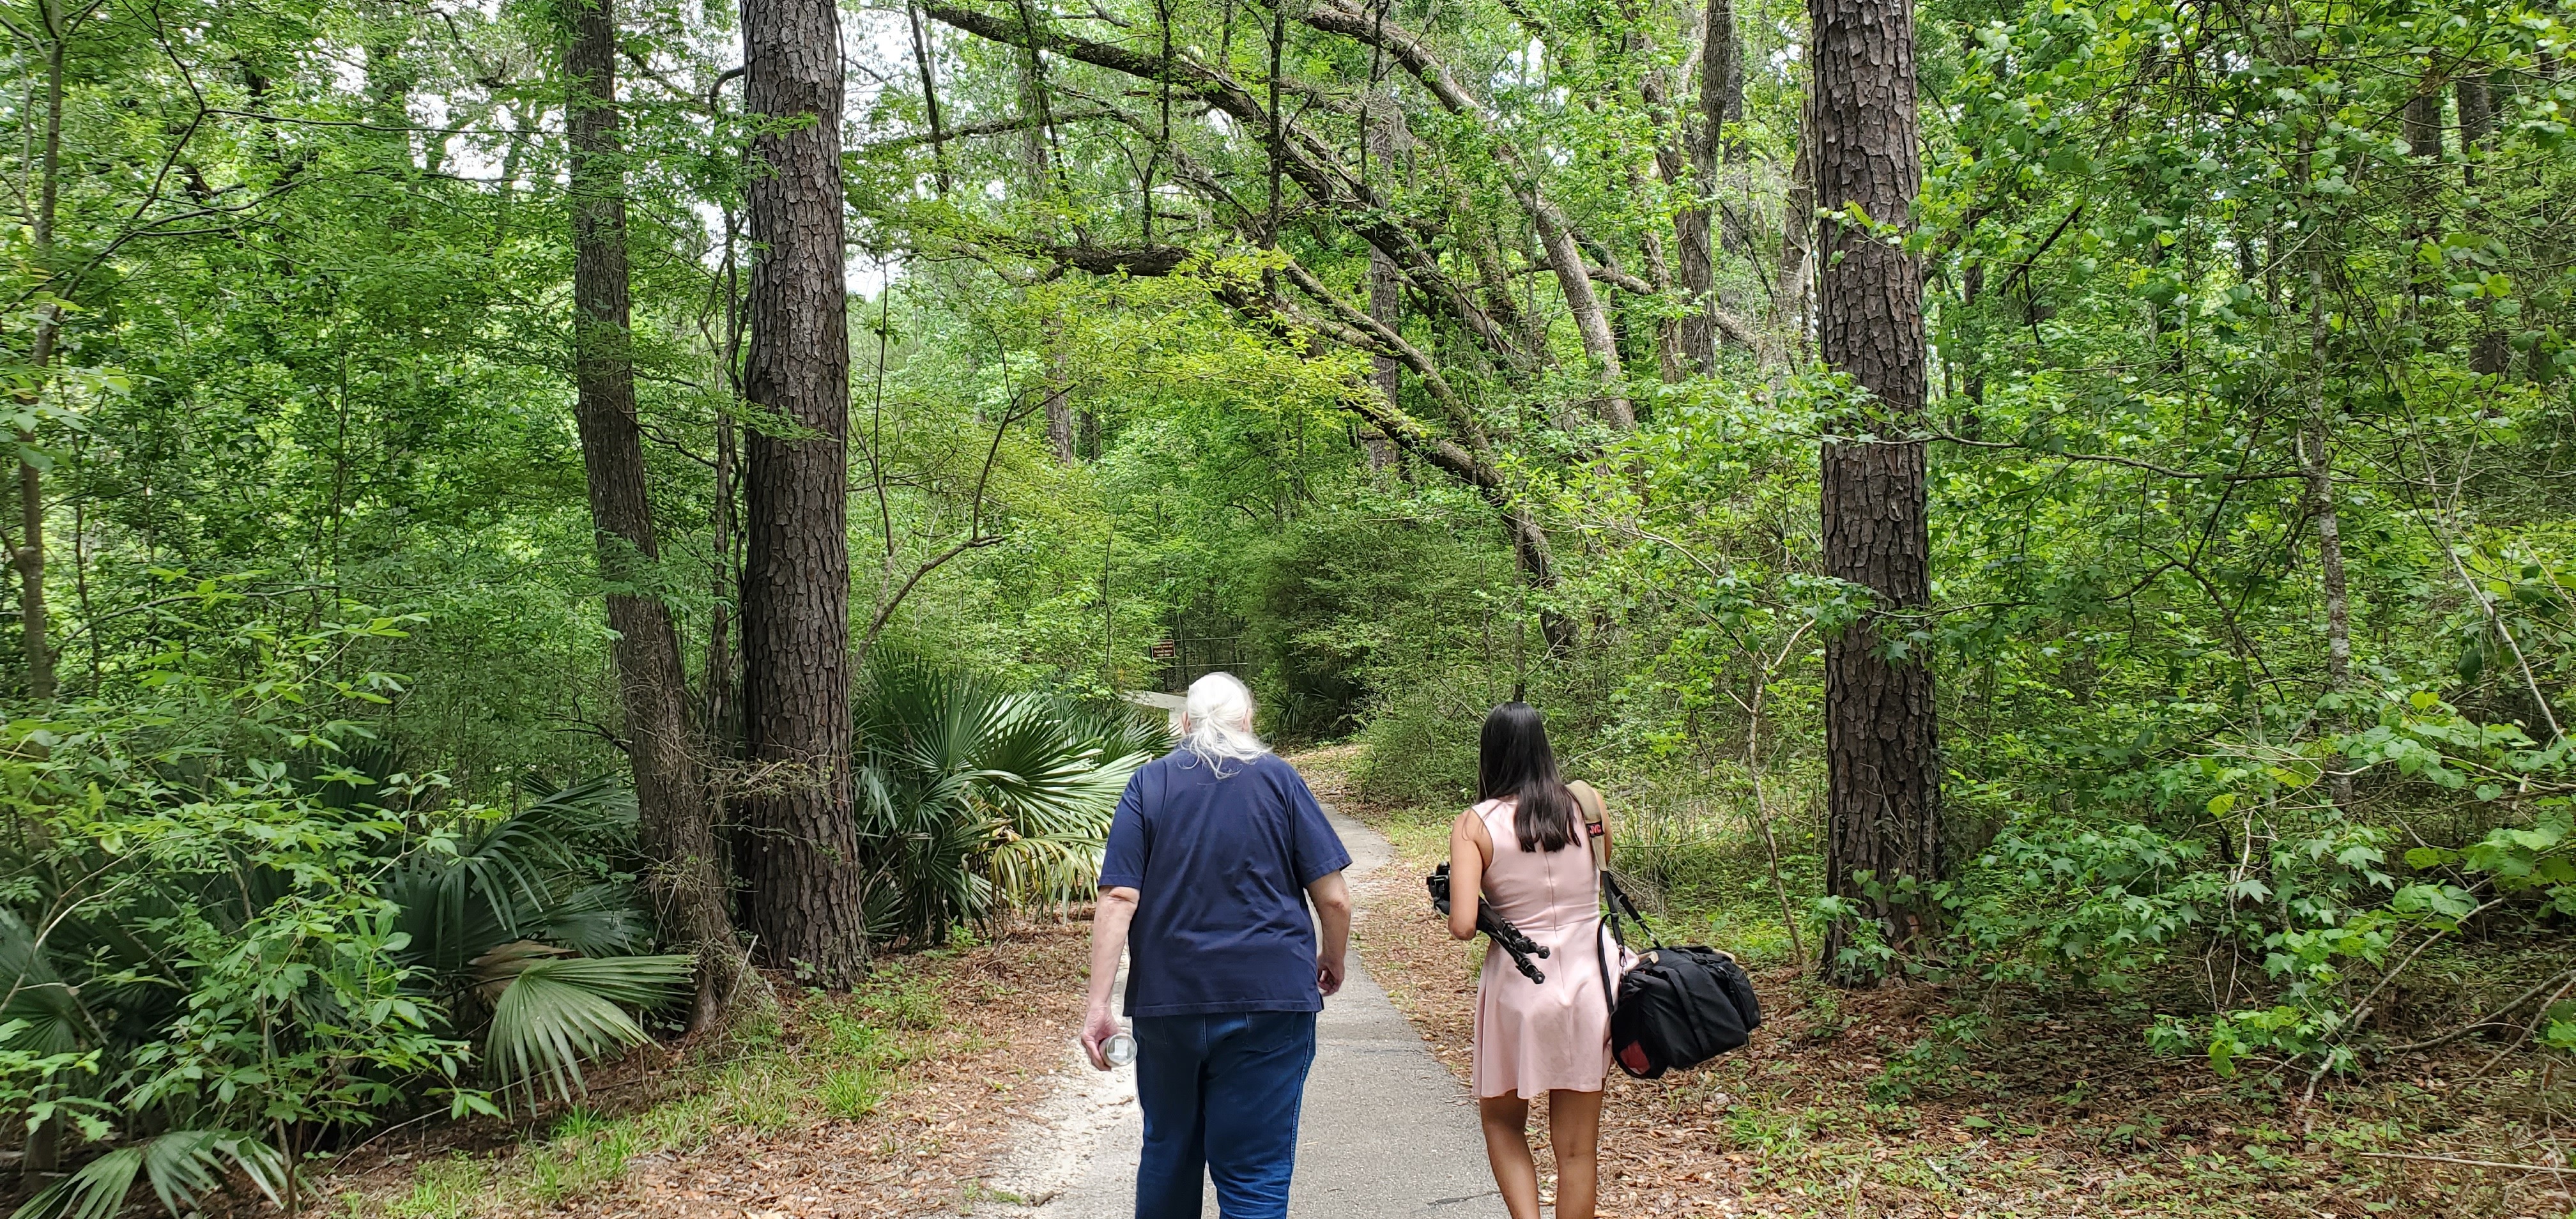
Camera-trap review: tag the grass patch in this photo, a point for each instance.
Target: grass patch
(819, 1058)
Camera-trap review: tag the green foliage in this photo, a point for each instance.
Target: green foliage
(221, 928)
(283, 867)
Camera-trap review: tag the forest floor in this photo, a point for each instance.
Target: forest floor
(889, 1101)
(1921, 1101)
(907, 1097)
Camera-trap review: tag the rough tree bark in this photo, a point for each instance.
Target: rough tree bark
(1883, 793)
(675, 819)
(798, 852)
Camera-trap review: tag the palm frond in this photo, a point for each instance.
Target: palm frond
(181, 1167)
(596, 921)
(33, 991)
(557, 1012)
(512, 860)
(501, 885)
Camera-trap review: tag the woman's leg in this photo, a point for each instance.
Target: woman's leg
(1574, 1132)
(1506, 1120)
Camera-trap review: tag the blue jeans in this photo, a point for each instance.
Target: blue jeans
(1220, 1095)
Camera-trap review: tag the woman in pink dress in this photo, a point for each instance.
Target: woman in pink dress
(1523, 849)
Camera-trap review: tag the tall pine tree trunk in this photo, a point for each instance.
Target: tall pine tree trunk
(798, 851)
(29, 557)
(676, 821)
(1883, 793)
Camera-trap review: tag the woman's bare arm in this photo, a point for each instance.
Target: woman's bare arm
(1470, 849)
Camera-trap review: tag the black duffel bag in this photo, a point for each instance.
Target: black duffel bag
(1676, 1007)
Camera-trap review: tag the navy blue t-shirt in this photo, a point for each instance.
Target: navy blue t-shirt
(1220, 866)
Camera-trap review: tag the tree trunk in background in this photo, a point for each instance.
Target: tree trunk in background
(2316, 453)
(2420, 125)
(1386, 304)
(30, 555)
(1385, 283)
(1883, 793)
(799, 847)
(1721, 101)
(2420, 122)
(2488, 351)
(1058, 402)
(1556, 240)
(1971, 422)
(1035, 161)
(1797, 248)
(676, 822)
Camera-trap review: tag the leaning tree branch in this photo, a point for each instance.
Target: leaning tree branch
(2232, 476)
(1556, 234)
(994, 127)
(1303, 157)
(2486, 1021)
(1378, 338)
(1529, 542)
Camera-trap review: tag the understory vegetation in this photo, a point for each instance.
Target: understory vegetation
(507, 574)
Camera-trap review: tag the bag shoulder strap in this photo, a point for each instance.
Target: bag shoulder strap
(1596, 821)
(1596, 836)
(1618, 902)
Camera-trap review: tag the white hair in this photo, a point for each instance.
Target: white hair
(1216, 720)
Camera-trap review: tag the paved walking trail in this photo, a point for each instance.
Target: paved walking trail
(1387, 1132)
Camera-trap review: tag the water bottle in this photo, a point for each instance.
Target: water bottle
(1119, 1050)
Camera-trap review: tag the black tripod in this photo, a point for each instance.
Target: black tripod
(1506, 936)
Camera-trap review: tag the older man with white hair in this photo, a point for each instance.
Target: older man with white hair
(1215, 852)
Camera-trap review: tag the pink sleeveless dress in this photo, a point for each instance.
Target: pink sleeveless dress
(1531, 1037)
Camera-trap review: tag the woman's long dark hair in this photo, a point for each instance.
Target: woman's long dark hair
(1514, 762)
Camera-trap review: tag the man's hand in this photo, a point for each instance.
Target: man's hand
(1098, 1026)
(1332, 900)
(1108, 942)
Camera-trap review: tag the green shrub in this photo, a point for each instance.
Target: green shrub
(227, 924)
